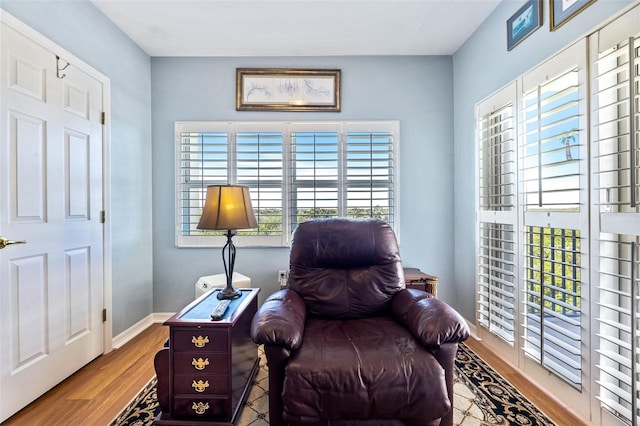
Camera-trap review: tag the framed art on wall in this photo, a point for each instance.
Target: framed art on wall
(561, 11)
(284, 89)
(524, 22)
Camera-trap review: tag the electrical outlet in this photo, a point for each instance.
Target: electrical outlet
(282, 278)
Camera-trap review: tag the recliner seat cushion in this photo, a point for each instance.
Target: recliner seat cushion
(370, 368)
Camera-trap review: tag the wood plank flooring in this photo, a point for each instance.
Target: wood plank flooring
(97, 393)
(549, 405)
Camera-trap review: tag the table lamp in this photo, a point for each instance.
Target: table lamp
(228, 207)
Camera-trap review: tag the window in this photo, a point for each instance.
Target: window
(295, 171)
(315, 172)
(259, 159)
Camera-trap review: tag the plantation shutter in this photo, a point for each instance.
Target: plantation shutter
(554, 201)
(343, 170)
(295, 171)
(497, 267)
(259, 165)
(315, 172)
(204, 160)
(616, 245)
(369, 171)
(214, 153)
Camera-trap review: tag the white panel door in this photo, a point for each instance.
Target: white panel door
(51, 288)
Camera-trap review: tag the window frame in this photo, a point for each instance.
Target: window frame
(392, 127)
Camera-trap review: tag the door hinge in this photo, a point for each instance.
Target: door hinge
(103, 217)
(103, 119)
(104, 315)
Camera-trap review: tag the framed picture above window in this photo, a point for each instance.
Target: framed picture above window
(284, 89)
(561, 11)
(524, 22)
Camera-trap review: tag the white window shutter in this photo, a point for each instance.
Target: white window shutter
(616, 192)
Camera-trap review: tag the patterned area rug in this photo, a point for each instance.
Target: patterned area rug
(481, 398)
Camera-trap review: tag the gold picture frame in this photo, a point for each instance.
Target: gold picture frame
(561, 11)
(285, 89)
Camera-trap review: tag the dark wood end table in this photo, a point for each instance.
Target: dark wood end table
(206, 371)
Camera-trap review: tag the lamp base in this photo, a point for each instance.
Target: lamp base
(229, 293)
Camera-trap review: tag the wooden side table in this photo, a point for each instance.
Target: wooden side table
(206, 372)
(416, 279)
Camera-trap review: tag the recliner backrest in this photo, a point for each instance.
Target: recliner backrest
(345, 268)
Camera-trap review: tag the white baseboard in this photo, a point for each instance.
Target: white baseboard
(473, 331)
(162, 316)
(139, 327)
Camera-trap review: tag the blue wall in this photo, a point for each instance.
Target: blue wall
(481, 67)
(83, 30)
(415, 90)
(433, 97)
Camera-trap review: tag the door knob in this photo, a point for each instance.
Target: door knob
(4, 242)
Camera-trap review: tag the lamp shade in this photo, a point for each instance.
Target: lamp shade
(227, 207)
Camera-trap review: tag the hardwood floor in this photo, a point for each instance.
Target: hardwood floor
(548, 404)
(97, 393)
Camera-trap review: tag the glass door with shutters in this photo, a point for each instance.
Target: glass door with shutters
(558, 281)
(533, 224)
(615, 53)
(555, 213)
(497, 267)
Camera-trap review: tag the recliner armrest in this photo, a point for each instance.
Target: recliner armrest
(280, 320)
(430, 320)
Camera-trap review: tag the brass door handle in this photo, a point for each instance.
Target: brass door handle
(4, 242)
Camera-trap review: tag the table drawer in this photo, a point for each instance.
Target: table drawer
(199, 339)
(205, 408)
(206, 362)
(201, 384)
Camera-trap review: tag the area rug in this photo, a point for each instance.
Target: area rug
(481, 398)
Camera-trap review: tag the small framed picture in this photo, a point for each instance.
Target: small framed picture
(285, 89)
(524, 22)
(561, 11)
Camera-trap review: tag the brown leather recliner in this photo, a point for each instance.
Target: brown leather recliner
(347, 343)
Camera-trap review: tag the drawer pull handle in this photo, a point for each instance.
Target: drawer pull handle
(200, 364)
(200, 407)
(200, 386)
(200, 341)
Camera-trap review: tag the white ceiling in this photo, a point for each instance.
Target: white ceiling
(297, 27)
